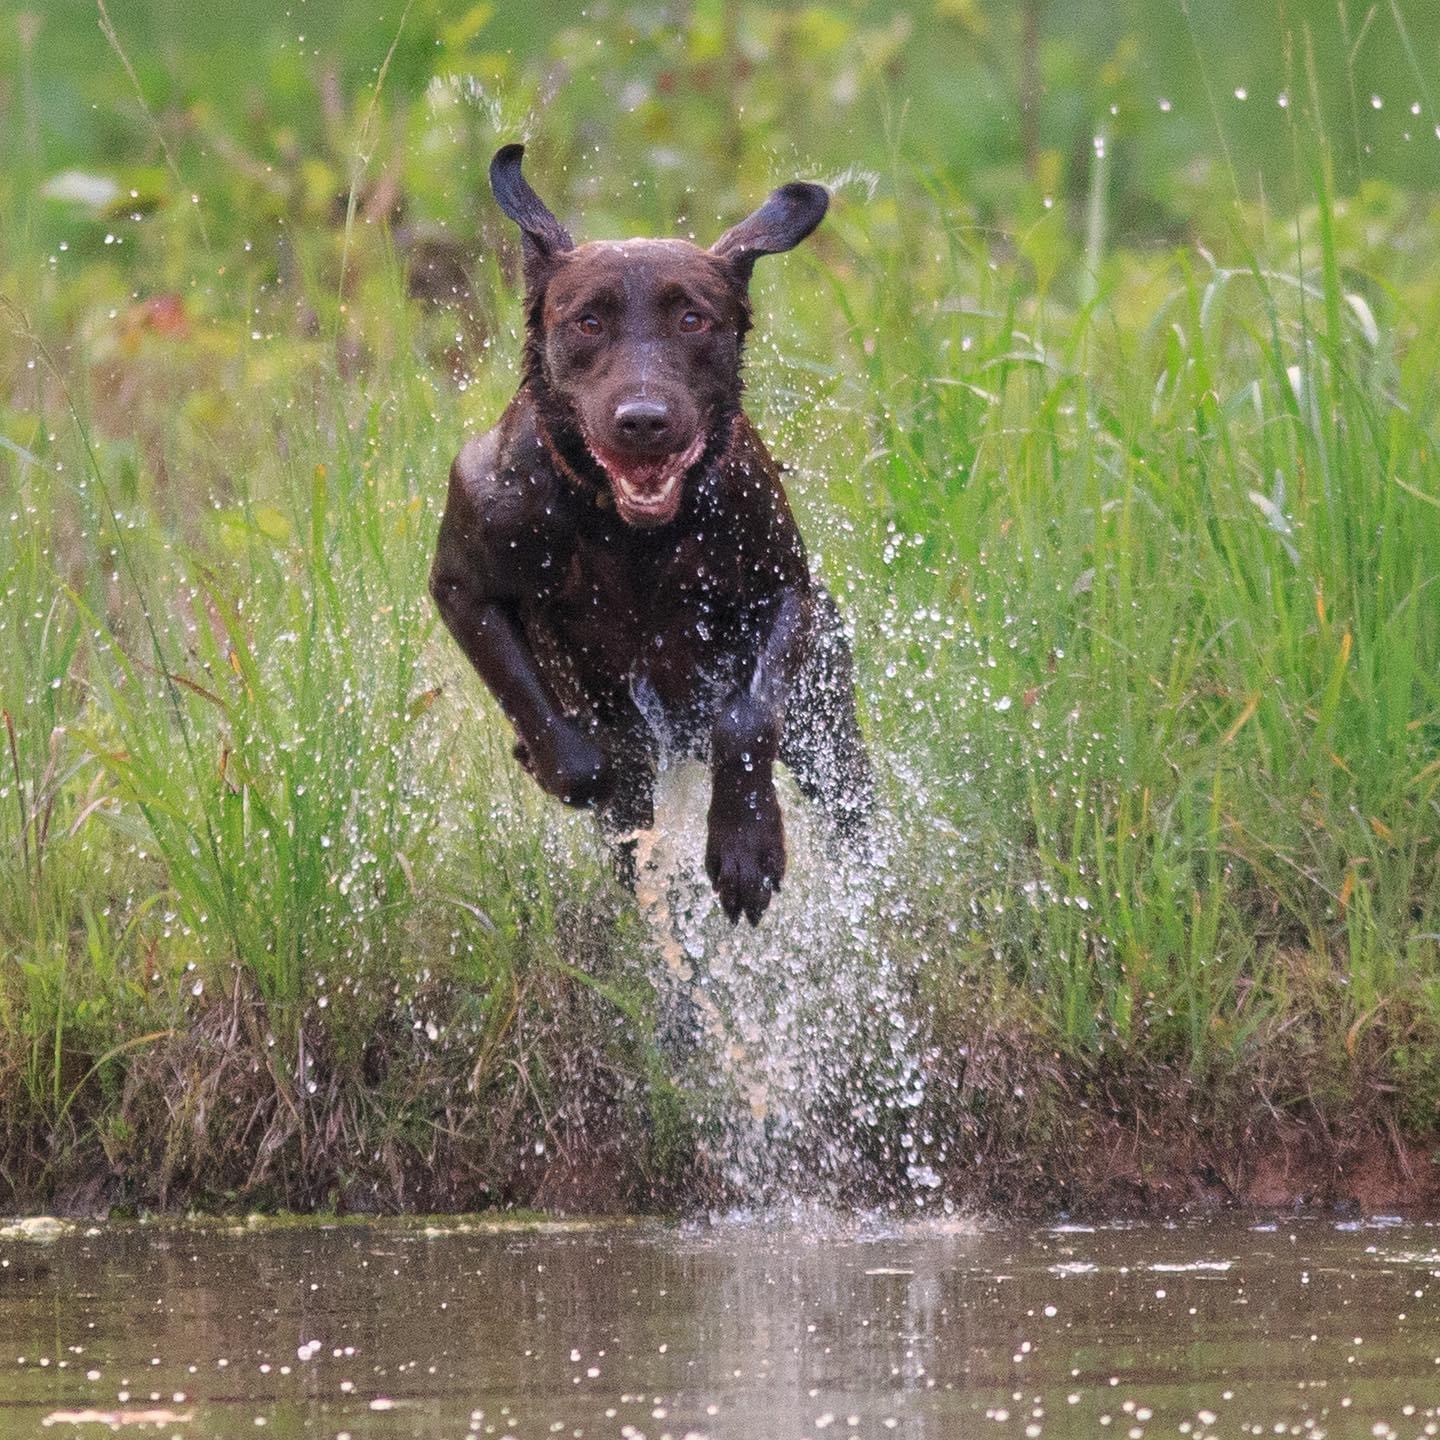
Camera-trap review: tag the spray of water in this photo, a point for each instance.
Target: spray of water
(795, 1037)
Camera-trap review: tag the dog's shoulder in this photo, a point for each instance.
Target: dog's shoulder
(505, 479)
(475, 465)
(505, 518)
(747, 467)
(750, 495)
(750, 479)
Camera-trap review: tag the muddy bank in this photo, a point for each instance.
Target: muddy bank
(1175, 1172)
(571, 1111)
(1115, 1175)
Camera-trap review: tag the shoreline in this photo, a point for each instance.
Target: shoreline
(42, 1226)
(224, 1147)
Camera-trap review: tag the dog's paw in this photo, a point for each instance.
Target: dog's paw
(568, 765)
(745, 855)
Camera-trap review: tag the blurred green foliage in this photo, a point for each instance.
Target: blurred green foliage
(719, 85)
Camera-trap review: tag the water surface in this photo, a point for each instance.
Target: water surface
(758, 1329)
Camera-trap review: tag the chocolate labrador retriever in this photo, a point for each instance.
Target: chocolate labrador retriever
(617, 557)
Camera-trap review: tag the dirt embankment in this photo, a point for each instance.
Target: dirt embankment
(602, 1158)
(567, 1112)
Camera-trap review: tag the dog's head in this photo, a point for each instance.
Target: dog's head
(634, 346)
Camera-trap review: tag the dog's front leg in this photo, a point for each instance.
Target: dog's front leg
(563, 759)
(745, 845)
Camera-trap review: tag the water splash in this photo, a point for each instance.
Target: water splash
(796, 1038)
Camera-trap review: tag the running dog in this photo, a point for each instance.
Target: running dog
(618, 558)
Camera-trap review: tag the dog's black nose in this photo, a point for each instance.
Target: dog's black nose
(643, 421)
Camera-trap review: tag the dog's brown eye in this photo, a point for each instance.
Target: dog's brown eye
(589, 325)
(692, 322)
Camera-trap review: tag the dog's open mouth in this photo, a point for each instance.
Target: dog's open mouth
(647, 492)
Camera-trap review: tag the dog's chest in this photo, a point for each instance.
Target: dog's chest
(661, 614)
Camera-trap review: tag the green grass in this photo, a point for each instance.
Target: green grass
(1141, 541)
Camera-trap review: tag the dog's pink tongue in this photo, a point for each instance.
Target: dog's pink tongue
(647, 492)
(639, 476)
(634, 472)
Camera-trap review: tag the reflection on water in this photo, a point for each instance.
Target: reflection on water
(760, 1329)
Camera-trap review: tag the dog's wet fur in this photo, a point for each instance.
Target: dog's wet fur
(618, 557)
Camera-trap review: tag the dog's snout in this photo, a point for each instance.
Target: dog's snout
(643, 422)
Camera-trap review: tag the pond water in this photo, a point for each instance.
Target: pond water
(760, 1328)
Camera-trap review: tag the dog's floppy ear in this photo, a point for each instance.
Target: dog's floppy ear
(542, 236)
(781, 223)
